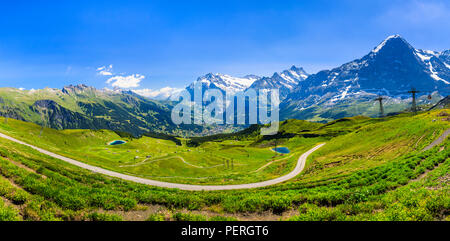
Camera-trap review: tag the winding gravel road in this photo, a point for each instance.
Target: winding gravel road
(438, 140)
(298, 169)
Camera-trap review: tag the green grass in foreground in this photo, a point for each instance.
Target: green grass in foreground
(399, 183)
(219, 162)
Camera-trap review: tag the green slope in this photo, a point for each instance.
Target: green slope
(82, 107)
(366, 106)
(370, 169)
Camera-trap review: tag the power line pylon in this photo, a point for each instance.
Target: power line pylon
(380, 99)
(413, 91)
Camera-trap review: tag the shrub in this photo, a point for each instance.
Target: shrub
(103, 217)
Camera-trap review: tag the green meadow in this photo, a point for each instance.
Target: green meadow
(370, 169)
(217, 162)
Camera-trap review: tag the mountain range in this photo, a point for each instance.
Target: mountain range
(391, 69)
(84, 107)
(285, 81)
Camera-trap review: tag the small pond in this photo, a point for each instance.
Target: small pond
(282, 150)
(117, 142)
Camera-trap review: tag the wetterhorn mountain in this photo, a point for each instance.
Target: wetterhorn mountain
(285, 81)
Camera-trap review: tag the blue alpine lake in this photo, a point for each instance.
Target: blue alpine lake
(282, 150)
(117, 142)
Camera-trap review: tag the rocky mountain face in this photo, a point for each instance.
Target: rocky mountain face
(444, 103)
(391, 69)
(83, 107)
(285, 81)
(224, 82)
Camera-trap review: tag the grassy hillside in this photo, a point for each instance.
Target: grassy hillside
(370, 169)
(83, 107)
(221, 162)
(374, 142)
(325, 111)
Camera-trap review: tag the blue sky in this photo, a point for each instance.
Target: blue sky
(171, 43)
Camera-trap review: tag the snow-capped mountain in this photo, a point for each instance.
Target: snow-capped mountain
(437, 63)
(445, 56)
(392, 68)
(285, 81)
(224, 82)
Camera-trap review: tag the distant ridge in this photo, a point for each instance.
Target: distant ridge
(444, 103)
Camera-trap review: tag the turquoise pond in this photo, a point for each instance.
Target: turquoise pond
(282, 150)
(118, 142)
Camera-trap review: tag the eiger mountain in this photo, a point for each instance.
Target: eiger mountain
(391, 69)
(82, 107)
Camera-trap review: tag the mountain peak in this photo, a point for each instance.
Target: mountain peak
(226, 82)
(394, 36)
(295, 68)
(76, 88)
(209, 75)
(394, 41)
(251, 76)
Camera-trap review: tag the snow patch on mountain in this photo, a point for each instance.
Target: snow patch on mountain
(345, 92)
(286, 81)
(226, 82)
(380, 46)
(391, 68)
(426, 56)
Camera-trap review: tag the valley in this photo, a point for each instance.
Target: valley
(220, 162)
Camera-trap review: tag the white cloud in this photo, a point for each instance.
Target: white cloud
(160, 94)
(119, 80)
(131, 81)
(105, 73)
(105, 70)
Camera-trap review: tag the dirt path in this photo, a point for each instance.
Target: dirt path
(298, 169)
(270, 163)
(438, 140)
